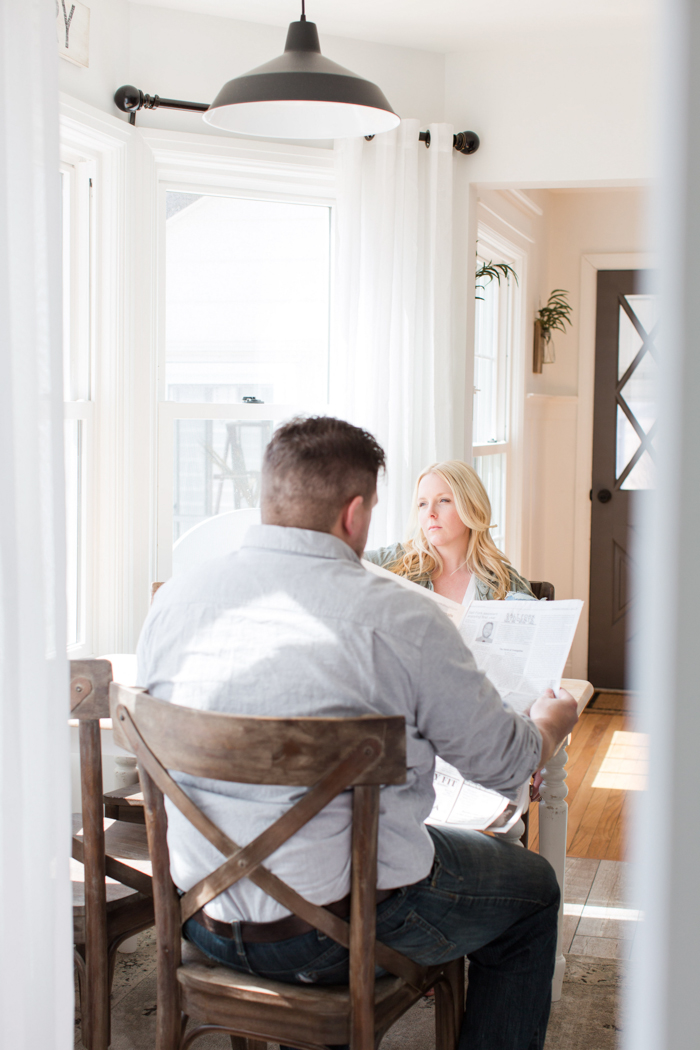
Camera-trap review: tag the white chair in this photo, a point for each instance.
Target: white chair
(213, 538)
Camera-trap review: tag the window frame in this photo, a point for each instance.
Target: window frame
(493, 246)
(78, 170)
(288, 173)
(101, 143)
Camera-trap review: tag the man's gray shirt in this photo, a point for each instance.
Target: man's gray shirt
(293, 625)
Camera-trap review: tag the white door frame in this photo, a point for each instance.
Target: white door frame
(590, 265)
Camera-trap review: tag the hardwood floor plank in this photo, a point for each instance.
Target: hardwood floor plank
(609, 820)
(581, 760)
(534, 840)
(616, 848)
(580, 841)
(584, 794)
(597, 815)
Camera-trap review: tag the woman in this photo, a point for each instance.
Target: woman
(450, 549)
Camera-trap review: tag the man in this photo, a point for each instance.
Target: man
(293, 625)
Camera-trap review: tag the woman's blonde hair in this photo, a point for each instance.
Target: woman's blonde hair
(421, 561)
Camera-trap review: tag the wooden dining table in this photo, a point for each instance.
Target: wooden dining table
(553, 808)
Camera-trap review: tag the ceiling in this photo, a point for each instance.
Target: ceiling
(430, 25)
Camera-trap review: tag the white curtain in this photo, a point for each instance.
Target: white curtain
(395, 370)
(36, 995)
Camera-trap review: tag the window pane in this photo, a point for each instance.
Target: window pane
(66, 279)
(492, 471)
(492, 337)
(247, 292)
(639, 392)
(642, 474)
(74, 527)
(217, 468)
(627, 442)
(629, 343)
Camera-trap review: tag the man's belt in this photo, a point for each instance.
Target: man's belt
(281, 930)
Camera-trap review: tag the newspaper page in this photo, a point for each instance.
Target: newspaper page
(522, 647)
(462, 803)
(454, 610)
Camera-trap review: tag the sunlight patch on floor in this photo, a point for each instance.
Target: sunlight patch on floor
(626, 763)
(592, 911)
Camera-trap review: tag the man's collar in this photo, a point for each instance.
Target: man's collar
(298, 541)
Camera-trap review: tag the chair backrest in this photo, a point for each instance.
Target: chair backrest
(542, 589)
(89, 702)
(327, 755)
(212, 538)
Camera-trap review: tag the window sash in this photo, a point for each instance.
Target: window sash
(169, 412)
(492, 247)
(79, 526)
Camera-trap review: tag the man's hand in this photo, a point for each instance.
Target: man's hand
(555, 717)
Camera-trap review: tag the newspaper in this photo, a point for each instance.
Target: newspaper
(522, 647)
(454, 610)
(462, 803)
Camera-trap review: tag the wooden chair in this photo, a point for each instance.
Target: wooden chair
(104, 913)
(328, 755)
(541, 590)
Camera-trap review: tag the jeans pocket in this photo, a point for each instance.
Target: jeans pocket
(421, 941)
(328, 967)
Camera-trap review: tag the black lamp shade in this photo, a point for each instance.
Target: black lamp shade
(301, 95)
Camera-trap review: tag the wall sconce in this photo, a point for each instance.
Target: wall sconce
(552, 317)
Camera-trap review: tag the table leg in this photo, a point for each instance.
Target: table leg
(553, 814)
(125, 771)
(514, 834)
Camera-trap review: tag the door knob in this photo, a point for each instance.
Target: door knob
(604, 495)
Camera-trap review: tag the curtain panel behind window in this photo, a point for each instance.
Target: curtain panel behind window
(36, 995)
(393, 368)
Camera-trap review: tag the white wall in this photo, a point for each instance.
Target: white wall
(179, 54)
(109, 57)
(556, 504)
(553, 108)
(582, 223)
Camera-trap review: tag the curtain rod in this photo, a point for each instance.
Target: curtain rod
(130, 100)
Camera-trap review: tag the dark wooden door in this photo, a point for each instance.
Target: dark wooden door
(624, 423)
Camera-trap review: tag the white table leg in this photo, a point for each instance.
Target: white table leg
(553, 814)
(514, 834)
(125, 771)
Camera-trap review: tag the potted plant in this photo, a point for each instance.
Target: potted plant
(493, 271)
(554, 316)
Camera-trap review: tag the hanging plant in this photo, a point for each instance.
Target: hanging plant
(553, 317)
(493, 272)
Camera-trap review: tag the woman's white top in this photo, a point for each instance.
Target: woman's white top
(470, 593)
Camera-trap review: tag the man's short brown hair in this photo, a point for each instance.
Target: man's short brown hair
(313, 467)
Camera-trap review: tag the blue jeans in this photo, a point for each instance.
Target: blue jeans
(484, 898)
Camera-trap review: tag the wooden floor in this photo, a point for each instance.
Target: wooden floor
(607, 762)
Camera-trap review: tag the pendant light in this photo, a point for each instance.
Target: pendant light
(301, 95)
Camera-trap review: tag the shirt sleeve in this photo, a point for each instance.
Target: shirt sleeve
(384, 556)
(460, 712)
